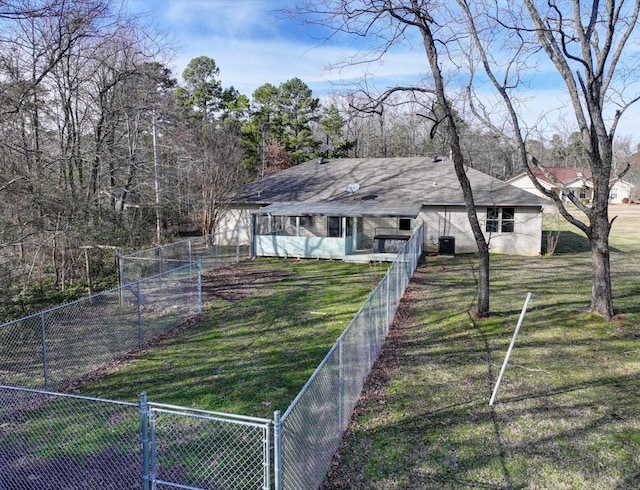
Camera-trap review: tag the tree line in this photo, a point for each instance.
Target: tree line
(104, 149)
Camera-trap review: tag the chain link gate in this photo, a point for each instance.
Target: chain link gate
(199, 450)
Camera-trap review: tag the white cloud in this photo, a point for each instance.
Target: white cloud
(246, 64)
(223, 17)
(253, 44)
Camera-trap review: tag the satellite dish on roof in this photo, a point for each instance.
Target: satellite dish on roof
(352, 188)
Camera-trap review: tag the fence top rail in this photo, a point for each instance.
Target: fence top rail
(226, 417)
(167, 245)
(153, 259)
(98, 294)
(67, 395)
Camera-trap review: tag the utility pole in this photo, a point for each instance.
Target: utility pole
(156, 167)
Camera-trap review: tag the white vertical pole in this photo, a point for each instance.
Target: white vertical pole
(513, 341)
(156, 178)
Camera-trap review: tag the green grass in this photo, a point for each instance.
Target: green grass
(567, 415)
(262, 334)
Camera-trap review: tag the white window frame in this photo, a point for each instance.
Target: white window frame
(501, 222)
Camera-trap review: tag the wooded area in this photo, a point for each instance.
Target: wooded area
(104, 149)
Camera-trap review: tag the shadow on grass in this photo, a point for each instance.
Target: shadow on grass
(566, 410)
(266, 326)
(569, 242)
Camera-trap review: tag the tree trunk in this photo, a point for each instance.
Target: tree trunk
(482, 307)
(601, 295)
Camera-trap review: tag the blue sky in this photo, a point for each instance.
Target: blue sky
(254, 42)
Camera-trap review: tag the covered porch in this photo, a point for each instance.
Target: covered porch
(347, 230)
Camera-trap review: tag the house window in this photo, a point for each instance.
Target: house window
(613, 194)
(278, 223)
(583, 193)
(305, 221)
(334, 226)
(501, 220)
(404, 224)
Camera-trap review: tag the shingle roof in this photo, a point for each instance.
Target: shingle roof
(564, 175)
(383, 180)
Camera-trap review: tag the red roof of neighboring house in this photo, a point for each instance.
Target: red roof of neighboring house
(563, 175)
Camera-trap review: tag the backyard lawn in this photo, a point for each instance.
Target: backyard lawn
(267, 324)
(567, 415)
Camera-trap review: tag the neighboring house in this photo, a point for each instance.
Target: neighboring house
(575, 180)
(337, 208)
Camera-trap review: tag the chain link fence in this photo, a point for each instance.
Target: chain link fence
(56, 347)
(53, 441)
(156, 260)
(310, 431)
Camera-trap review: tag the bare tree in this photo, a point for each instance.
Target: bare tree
(217, 156)
(588, 44)
(74, 125)
(389, 22)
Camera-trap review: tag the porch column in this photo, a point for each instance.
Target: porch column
(254, 233)
(354, 234)
(343, 220)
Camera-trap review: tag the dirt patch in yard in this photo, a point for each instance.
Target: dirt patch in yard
(238, 281)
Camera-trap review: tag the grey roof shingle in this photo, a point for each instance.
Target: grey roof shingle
(383, 180)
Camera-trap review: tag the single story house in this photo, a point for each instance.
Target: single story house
(578, 181)
(338, 208)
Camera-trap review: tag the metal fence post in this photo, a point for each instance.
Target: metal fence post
(153, 460)
(139, 298)
(121, 280)
(144, 441)
(43, 324)
(387, 321)
(371, 323)
(277, 450)
(199, 286)
(398, 285)
(513, 341)
(367, 344)
(215, 253)
(340, 387)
